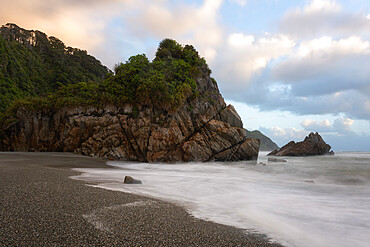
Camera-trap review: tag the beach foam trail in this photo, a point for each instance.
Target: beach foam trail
(307, 201)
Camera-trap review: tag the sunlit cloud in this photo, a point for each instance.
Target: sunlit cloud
(284, 135)
(340, 125)
(244, 56)
(193, 24)
(323, 17)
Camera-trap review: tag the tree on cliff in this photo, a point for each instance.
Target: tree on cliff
(33, 64)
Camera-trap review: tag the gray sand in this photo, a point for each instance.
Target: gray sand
(41, 206)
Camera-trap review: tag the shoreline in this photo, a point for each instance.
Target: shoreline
(42, 205)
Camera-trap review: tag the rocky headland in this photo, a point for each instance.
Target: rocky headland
(166, 110)
(209, 132)
(313, 144)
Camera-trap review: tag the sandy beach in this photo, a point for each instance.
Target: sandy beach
(41, 206)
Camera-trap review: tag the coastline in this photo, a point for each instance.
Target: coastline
(41, 205)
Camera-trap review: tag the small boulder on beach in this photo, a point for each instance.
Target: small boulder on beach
(131, 180)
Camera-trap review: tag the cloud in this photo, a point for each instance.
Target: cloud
(193, 24)
(325, 65)
(351, 103)
(115, 28)
(340, 126)
(323, 17)
(303, 74)
(244, 56)
(315, 126)
(343, 125)
(240, 2)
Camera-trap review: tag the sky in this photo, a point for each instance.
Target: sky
(289, 67)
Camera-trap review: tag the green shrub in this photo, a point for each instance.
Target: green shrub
(165, 83)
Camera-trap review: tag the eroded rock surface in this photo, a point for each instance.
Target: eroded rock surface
(204, 129)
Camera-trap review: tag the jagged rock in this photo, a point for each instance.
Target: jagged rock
(313, 144)
(229, 115)
(275, 160)
(131, 180)
(273, 152)
(208, 131)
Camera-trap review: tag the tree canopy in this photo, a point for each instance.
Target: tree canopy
(166, 83)
(32, 64)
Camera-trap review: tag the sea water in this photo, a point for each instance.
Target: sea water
(306, 201)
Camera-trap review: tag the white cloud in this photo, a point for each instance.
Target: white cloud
(240, 2)
(327, 46)
(240, 40)
(323, 17)
(197, 25)
(340, 125)
(304, 74)
(320, 5)
(343, 125)
(326, 65)
(312, 125)
(284, 135)
(244, 56)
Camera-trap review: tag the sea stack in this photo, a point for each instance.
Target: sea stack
(313, 144)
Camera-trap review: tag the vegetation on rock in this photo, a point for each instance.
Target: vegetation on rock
(165, 83)
(33, 64)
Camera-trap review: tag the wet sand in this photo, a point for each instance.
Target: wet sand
(41, 206)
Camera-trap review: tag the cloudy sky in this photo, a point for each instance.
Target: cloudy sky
(289, 66)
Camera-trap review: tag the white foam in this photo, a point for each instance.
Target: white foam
(275, 199)
(98, 217)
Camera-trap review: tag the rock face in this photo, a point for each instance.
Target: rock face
(204, 129)
(313, 144)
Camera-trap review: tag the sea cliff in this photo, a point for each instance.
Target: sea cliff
(201, 130)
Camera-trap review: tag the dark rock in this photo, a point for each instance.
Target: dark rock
(309, 181)
(273, 152)
(276, 160)
(229, 115)
(131, 180)
(313, 144)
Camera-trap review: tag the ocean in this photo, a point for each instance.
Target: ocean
(306, 201)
